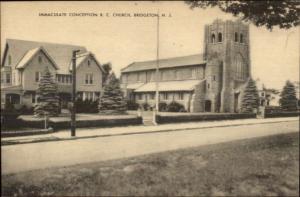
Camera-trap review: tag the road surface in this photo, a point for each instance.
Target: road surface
(23, 157)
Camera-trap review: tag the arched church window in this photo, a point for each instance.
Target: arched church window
(220, 37)
(241, 38)
(236, 37)
(213, 38)
(239, 68)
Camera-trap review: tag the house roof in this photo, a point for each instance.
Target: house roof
(60, 53)
(189, 60)
(170, 86)
(30, 54)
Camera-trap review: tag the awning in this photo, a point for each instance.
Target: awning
(170, 86)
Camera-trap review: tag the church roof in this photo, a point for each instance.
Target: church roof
(60, 53)
(189, 60)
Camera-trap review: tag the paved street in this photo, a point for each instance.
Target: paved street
(23, 157)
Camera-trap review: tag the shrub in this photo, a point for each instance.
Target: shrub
(250, 98)
(24, 110)
(288, 100)
(131, 105)
(162, 119)
(146, 106)
(86, 106)
(175, 107)
(9, 116)
(162, 106)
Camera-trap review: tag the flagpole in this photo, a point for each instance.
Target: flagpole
(156, 110)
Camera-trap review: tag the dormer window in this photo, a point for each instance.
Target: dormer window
(213, 38)
(236, 37)
(9, 60)
(40, 59)
(219, 37)
(241, 38)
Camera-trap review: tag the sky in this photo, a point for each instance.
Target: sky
(123, 40)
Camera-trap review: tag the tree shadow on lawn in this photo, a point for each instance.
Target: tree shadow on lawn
(259, 166)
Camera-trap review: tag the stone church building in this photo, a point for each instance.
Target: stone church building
(208, 82)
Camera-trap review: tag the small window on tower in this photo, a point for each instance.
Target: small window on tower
(241, 38)
(220, 37)
(213, 38)
(236, 37)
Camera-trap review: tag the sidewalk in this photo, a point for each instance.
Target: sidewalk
(115, 131)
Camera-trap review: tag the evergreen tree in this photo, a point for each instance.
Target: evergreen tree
(288, 100)
(48, 100)
(112, 100)
(250, 98)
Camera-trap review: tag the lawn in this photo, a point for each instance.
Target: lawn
(267, 166)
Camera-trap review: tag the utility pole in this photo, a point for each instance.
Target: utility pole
(156, 110)
(73, 113)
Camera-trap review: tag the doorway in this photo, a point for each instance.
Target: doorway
(207, 107)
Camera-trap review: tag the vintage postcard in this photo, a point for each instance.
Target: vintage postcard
(150, 98)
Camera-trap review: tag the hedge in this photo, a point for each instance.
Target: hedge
(282, 114)
(66, 124)
(162, 119)
(25, 132)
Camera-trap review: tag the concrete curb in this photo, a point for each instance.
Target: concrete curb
(53, 139)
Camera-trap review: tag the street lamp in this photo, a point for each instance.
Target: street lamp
(73, 113)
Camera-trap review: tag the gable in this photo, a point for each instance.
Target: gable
(31, 54)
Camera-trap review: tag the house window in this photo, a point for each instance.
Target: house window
(219, 37)
(139, 96)
(88, 95)
(213, 38)
(9, 60)
(180, 96)
(91, 78)
(236, 37)
(71, 79)
(40, 59)
(67, 79)
(214, 78)
(152, 96)
(63, 79)
(88, 78)
(208, 86)
(37, 76)
(165, 96)
(7, 77)
(241, 38)
(88, 63)
(262, 94)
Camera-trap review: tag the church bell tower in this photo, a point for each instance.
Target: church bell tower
(227, 55)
